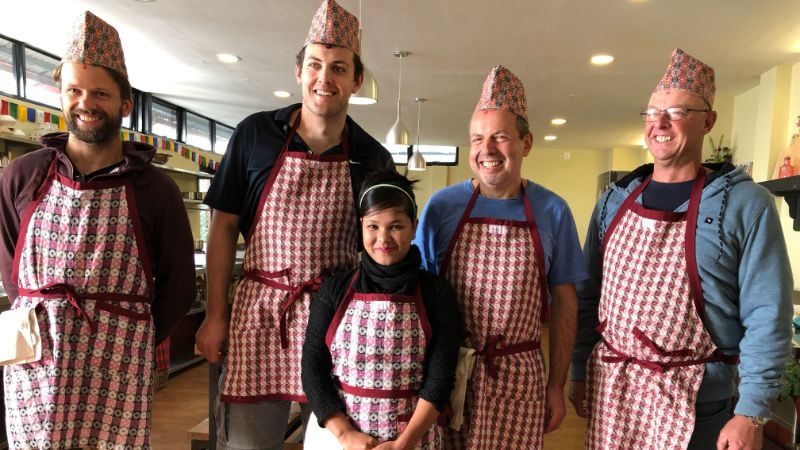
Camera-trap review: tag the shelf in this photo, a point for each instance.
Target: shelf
(196, 204)
(20, 139)
(196, 310)
(789, 189)
(180, 365)
(196, 173)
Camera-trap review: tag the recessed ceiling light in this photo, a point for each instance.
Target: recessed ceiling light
(228, 58)
(281, 94)
(602, 60)
(550, 137)
(558, 121)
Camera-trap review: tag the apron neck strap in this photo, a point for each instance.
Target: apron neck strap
(296, 123)
(526, 204)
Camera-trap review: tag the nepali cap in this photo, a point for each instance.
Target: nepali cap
(334, 25)
(503, 90)
(95, 42)
(686, 73)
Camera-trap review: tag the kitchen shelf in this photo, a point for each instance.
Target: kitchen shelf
(196, 173)
(180, 365)
(19, 139)
(195, 204)
(196, 310)
(789, 189)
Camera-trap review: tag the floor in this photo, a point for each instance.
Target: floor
(184, 402)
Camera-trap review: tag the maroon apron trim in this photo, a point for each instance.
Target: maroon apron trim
(690, 238)
(262, 398)
(144, 253)
(376, 393)
(626, 205)
(88, 185)
(647, 342)
(26, 219)
(350, 294)
(310, 286)
(380, 297)
(340, 311)
(493, 351)
(691, 246)
(530, 223)
(66, 291)
(273, 174)
(661, 367)
(664, 216)
(111, 307)
(259, 277)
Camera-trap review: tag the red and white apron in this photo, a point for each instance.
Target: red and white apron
(82, 261)
(643, 377)
(377, 344)
(497, 269)
(305, 229)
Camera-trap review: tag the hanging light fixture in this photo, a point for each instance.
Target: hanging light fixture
(398, 134)
(368, 94)
(417, 161)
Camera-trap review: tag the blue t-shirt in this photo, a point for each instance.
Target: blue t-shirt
(564, 260)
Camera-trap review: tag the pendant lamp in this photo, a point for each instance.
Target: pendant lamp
(368, 94)
(398, 134)
(417, 161)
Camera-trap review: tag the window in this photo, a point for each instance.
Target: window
(400, 153)
(198, 131)
(39, 84)
(224, 134)
(165, 120)
(439, 155)
(8, 83)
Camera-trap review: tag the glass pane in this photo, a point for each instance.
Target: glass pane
(39, 84)
(165, 121)
(224, 135)
(126, 122)
(7, 82)
(198, 131)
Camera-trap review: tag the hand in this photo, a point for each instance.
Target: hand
(577, 396)
(390, 445)
(555, 409)
(356, 440)
(740, 433)
(210, 338)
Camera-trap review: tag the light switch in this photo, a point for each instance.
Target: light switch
(567, 155)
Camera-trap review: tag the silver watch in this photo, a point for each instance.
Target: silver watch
(758, 421)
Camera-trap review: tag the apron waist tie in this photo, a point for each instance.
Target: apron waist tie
(309, 286)
(661, 367)
(62, 290)
(492, 351)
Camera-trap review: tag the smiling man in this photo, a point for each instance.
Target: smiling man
(688, 276)
(98, 241)
(287, 184)
(506, 245)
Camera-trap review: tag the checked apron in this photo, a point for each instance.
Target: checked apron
(497, 269)
(305, 229)
(82, 262)
(643, 376)
(377, 344)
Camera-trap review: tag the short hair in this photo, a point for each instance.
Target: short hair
(374, 195)
(523, 128)
(358, 65)
(122, 82)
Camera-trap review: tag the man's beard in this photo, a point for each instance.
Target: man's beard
(96, 135)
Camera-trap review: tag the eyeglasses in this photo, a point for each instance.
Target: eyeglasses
(673, 113)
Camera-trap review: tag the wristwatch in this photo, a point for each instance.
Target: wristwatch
(758, 421)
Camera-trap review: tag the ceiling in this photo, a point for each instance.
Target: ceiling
(170, 48)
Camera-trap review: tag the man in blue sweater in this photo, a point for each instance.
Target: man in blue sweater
(688, 276)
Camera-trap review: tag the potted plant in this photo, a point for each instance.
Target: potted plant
(718, 152)
(791, 384)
